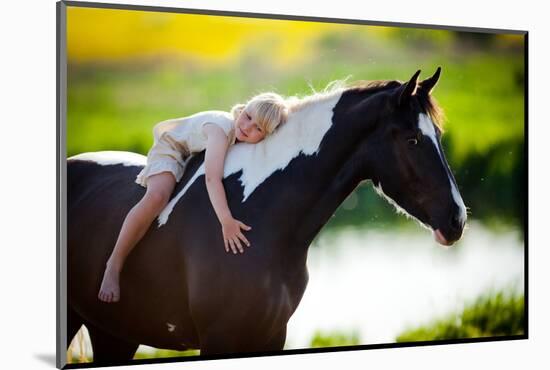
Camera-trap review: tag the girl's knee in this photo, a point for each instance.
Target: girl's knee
(157, 198)
(159, 189)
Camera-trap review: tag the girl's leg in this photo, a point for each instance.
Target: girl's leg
(136, 223)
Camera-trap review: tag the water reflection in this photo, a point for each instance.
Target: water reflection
(379, 282)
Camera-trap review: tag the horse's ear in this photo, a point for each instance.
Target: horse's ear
(409, 89)
(428, 84)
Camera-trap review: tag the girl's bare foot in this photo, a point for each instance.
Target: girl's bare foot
(110, 290)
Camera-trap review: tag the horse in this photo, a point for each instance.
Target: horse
(181, 290)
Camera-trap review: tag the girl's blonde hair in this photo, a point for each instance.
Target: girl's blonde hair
(270, 110)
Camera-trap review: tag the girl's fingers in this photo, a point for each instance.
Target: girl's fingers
(232, 246)
(238, 243)
(244, 239)
(226, 246)
(243, 226)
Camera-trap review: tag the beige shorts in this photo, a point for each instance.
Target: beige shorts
(166, 155)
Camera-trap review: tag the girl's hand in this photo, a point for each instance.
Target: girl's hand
(232, 235)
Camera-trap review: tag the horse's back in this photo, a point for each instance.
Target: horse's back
(99, 195)
(101, 175)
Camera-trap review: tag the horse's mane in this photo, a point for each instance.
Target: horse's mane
(427, 101)
(297, 103)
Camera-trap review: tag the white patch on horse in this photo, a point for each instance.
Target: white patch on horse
(171, 327)
(109, 158)
(426, 125)
(301, 134)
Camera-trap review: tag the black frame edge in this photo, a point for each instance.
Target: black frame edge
(526, 179)
(61, 116)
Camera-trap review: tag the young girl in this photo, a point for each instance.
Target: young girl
(175, 141)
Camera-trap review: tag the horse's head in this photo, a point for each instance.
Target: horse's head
(405, 159)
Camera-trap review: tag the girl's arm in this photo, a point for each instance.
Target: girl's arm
(216, 148)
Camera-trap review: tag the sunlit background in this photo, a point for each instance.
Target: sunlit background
(375, 277)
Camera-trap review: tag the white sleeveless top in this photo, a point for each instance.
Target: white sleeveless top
(188, 131)
(177, 139)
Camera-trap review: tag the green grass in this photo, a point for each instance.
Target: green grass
(165, 353)
(491, 315)
(334, 339)
(115, 107)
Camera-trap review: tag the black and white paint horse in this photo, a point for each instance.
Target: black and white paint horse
(180, 289)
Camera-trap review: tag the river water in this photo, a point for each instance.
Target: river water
(378, 283)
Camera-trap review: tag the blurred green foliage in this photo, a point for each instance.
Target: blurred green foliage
(113, 106)
(165, 353)
(334, 339)
(491, 315)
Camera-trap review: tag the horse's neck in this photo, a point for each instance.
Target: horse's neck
(334, 193)
(333, 173)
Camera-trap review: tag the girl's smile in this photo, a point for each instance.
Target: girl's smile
(241, 133)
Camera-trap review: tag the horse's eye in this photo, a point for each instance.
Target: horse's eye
(415, 140)
(412, 141)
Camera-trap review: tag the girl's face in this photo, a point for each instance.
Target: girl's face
(247, 129)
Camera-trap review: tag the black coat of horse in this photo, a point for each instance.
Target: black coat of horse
(180, 289)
